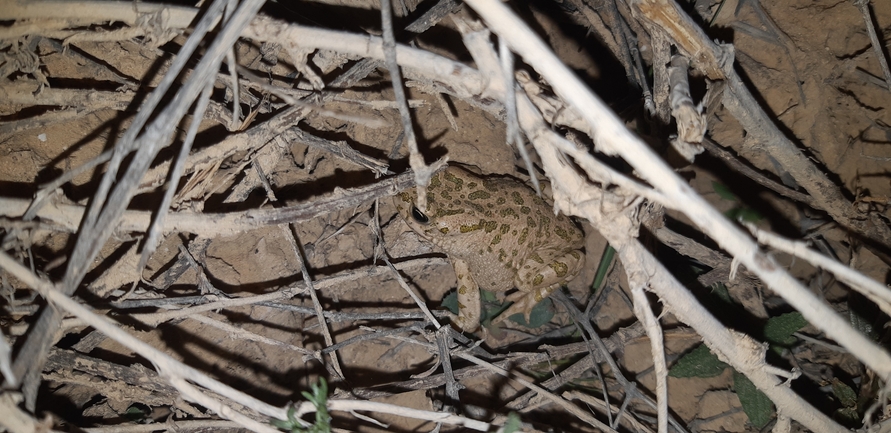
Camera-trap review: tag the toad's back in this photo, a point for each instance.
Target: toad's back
(498, 226)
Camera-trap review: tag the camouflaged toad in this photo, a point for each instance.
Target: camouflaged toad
(498, 235)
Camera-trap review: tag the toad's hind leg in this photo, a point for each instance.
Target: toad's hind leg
(525, 301)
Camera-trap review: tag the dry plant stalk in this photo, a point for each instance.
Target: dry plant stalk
(617, 213)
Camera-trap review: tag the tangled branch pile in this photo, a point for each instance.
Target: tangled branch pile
(196, 196)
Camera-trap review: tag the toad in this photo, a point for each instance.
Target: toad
(498, 234)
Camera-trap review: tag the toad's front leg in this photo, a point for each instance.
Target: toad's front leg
(524, 302)
(468, 318)
(537, 279)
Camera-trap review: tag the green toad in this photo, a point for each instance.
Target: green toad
(498, 235)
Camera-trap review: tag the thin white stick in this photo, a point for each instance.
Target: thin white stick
(422, 171)
(173, 426)
(6, 363)
(154, 319)
(875, 291)
(414, 296)
(235, 332)
(317, 306)
(644, 313)
(195, 395)
(565, 405)
(593, 401)
(377, 407)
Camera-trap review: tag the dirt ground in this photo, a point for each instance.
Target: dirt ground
(808, 62)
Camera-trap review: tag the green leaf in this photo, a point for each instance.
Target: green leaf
(291, 424)
(720, 290)
(748, 215)
(319, 399)
(848, 416)
(755, 404)
(307, 396)
(512, 424)
(541, 314)
(487, 296)
(846, 396)
(779, 329)
(138, 412)
(605, 260)
(699, 362)
(450, 302)
(281, 424)
(723, 191)
(491, 307)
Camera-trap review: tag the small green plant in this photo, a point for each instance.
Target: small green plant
(319, 399)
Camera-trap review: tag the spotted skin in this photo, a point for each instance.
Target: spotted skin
(498, 235)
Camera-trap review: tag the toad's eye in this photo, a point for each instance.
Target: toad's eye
(419, 216)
